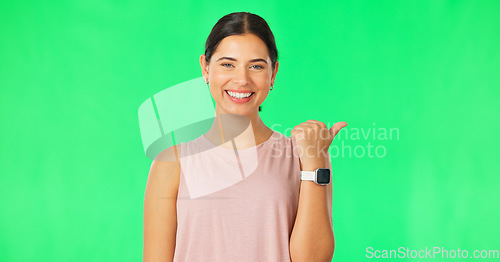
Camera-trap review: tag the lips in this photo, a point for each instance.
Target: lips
(239, 100)
(240, 91)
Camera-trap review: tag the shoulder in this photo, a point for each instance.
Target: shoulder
(171, 154)
(286, 141)
(164, 174)
(283, 146)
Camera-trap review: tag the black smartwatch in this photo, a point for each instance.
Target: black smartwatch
(320, 176)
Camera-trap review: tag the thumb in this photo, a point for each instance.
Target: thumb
(336, 128)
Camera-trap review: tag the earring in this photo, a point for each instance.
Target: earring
(271, 88)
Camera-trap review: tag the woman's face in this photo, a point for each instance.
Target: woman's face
(240, 64)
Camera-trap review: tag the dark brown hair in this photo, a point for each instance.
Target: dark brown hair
(237, 24)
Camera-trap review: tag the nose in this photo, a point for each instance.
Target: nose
(240, 76)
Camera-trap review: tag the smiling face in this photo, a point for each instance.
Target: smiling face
(241, 64)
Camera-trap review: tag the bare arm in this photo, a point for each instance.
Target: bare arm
(160, 201)
(312, 238)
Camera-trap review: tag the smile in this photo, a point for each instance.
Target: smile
(239, 97)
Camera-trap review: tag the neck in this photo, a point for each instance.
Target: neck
(248, 130)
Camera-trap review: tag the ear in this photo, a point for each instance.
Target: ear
(274, 73)
(204, 67)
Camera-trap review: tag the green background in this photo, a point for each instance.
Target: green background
(73, 74)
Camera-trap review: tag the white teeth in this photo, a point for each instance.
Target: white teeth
(239, 95)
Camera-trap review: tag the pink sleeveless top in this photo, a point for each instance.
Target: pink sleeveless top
(237, 205)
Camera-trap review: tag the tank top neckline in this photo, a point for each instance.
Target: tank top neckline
(241, 152)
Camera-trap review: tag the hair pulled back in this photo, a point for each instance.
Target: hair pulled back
(239, 23)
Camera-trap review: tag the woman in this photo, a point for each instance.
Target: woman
(238, 195)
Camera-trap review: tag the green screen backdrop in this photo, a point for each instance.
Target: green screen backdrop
(417, 81)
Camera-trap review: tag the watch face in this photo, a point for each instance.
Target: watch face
(323, 176)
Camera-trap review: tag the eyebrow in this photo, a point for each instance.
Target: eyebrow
(234, 59)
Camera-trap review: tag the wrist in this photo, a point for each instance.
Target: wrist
(312, 164)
